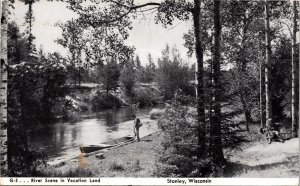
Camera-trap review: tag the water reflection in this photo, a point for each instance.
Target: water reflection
(64, 138)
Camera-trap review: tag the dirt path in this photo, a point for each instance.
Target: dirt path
(268, 160)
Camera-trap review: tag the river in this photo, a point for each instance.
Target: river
(62, 140)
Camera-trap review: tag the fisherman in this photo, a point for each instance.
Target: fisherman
(136, 127)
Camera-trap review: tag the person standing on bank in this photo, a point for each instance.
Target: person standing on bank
(136, 127)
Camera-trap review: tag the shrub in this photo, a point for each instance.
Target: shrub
(104, 101)
(146, 96)
(128, 77)
(116, 166)
(179, 138)
(137, 166)
(173, 73)
(156, 113)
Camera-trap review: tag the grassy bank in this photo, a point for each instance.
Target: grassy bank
(136, 159)
(257, 159)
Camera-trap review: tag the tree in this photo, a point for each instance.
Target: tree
(3, 88)
(17, 47)
(172, 73)
(179, 143)
(109, 74)
(197, 18)
(138, 62)
(242, 31)
(74, 41)
(29, 19)
(147, 73)
(128, 77)
(295, 110)
(217, 152)
(150, 69)
(268, 62)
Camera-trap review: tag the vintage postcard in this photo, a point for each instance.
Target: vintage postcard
(141, 92)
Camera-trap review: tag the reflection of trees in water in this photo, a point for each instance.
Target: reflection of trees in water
(112, 128)
(74, 134)
(116, 116)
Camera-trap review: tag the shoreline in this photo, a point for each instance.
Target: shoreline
(60, 163)
(134, 159)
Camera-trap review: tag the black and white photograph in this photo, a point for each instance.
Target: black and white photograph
(149, 89)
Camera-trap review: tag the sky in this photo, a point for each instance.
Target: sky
(146, 36)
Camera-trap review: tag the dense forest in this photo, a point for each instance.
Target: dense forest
(247, 65)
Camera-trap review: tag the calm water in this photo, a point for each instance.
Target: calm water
(63, 139)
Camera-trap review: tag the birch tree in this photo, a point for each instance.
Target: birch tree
(3, 88)
(267, 61)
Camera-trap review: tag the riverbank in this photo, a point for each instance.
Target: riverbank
(136, 159)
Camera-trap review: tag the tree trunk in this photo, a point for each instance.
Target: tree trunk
(247, 111)
(200, 86)
(294, 74)
(261, 94)
(242, 65)
(3, 90)
(30, 19)
(217, 152)
(268, 63)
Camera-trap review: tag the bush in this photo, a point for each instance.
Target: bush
(137, 166)
(128, 77)
(156, 113)
(179, 139)
(116, 166)
(173, 74)
(146, 96)
(104, 101)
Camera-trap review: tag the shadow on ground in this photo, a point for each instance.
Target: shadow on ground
(235, 168)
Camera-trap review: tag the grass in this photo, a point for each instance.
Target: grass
(132, 160)
(259, 159)
(137, 166)
(156, 113)
(115, 166)
(138, 159)
(77, 172)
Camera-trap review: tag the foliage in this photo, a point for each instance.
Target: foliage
(104, 101)
(128, 77)
(109, 74)
(137, 62)
(115, 166)
(178, 158)
(17, 44)
(172, 74)
(147, 74)
(146, 96)
(35, 89)
(104, 30)
(156, 113)
(280, 81)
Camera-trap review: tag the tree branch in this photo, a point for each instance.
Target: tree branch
(130, 9)
(137, 6)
